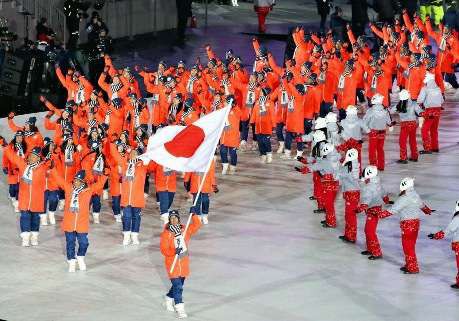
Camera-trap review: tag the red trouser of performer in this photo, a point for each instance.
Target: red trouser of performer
(429, 131)
(376, 148)
(410, 230)
(329, 190)
(262, 12)
(455, 248)
(408, 131)
(317, 189)
(371, 225)
(352, 199)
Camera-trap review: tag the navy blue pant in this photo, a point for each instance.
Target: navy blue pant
(131, 219)
(176, 290)
(70, 244)
(325, 108)
(95, 202)
(51, 200)
(116, 207)
(165, 201)
(29, 221)
(14, 190)
(307, 123)
(244, 129)
(61, 194)
(288, 141)
(146, 187)
(224, 150)
(202, 205)
(342, 112)
(280, 132)
(451, 78)
(264, 144)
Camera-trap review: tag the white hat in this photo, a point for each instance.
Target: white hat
(320, 123)
(377, 99)
(406, 183)
(351, 110)
(351, 155)
(327, 149)
(404, 95)
(370, 171)
(318, 136)
(429, 76)
(331, 117)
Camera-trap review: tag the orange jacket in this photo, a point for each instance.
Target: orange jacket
(13, 170)
(264, 122)
(67, 83)
(295, 111)
(167, 246)
(312, 101)
(36, 140)
(31, 196)
(164, 181)
(346, 95)
(196, 178)
(231, 135)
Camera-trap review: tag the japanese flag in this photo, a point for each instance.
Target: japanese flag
(187, 148)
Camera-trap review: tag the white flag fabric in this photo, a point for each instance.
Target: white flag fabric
(187, 148)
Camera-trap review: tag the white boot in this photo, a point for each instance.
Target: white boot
(12, 199)
(72, 265)
(43, 219)
(225, 168)
(81, 264)
(25, 238)
(61, 205)
(145, 195)
(269, 158)
(205, 219)
(34, 238)
(165, 218)
(280, 150)
(169, 304)
(95, 217)
(135, 238)
(105, 195)
(263, 159)
(180, 308)
(52, 218)
(232, 169)
(16, 206)
(286, 154)
(236, 4)
(243, 145)
(118, 218)
(299, 153)
(126, 238)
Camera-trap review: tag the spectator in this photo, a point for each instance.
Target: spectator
(323, 9)
(262, 8)
(94, 28)
(44, 33)
(338, 24)
(183, 13)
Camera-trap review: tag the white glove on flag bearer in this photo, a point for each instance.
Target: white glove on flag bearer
(187, 148)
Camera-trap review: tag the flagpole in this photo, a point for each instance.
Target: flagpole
(201, 184)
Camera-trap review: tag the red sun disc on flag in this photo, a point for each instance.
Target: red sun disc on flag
(186, 142)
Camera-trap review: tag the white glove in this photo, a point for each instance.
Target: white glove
(421, 121)
(79, 148)
(391, 129)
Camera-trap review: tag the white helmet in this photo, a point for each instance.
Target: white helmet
(370, 171)
(428, 77)
(457, 206)
(320, 123)
(404, 95)
(318, 136)
(406, 183)
(351, 110)
(331, 117)
(377, 99)
(351, 155)
(327, 149)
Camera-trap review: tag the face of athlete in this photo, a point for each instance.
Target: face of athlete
(116, 80)
(194, 72)
(174, 220)
(19, 139)
(33, 158)
(133, 154)
(139, 132)
(77, 183)
(27, 127)
(252, 79)
(94, 135)
(161, 68)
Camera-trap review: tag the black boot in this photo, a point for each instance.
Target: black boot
(403, 269)
(319, 210)
(365, 253)
(345, 239)
(312, 198)
(373, 257)
(413, 160)
(425, 152)
(402, 161)
(435, 150)
(455, 286)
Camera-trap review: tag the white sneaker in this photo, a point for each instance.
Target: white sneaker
(16, 206)
(232, 169)
(105, 195)
(269, 158)
(81, 264)
(25, 239)
(286, 154)
(34, 238)
(52, 218)
(280, 150)
(145, 195)
(72, 265)
(299, 153)
(225, 168)
(169, 304)
(43, 219)
(135, 238)
(243, 145)
(118, 218)
(96, 218)
(165, 218)
(61, 205)
(263, 159)
(180, 308)
(205, 219)
(126, 238)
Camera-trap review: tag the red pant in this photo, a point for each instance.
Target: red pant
(352, 199)
(371, 225)
(455, 248)
(262, 12)
(317, 186)
(410, 230)
(408, 131)
(329, 190)
(376, 148)
(429, 131)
